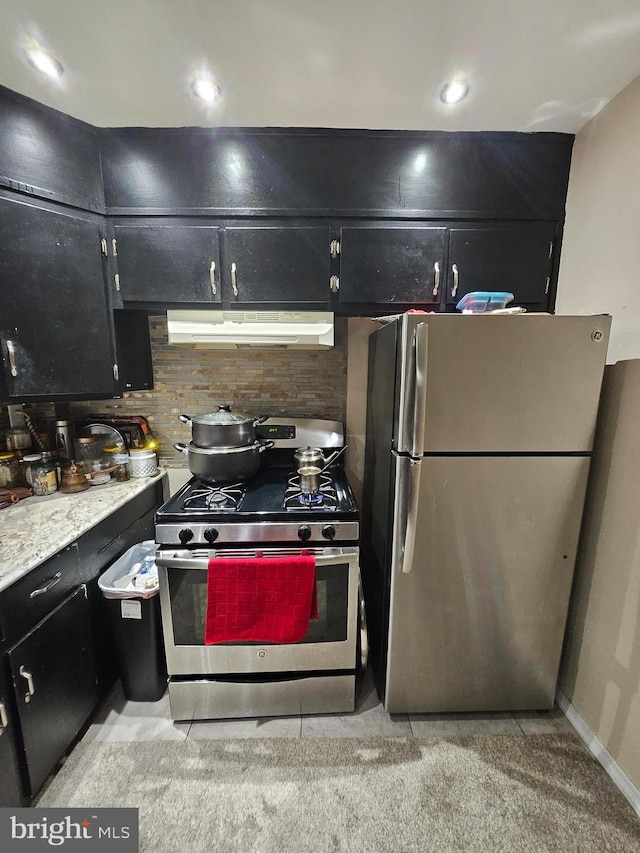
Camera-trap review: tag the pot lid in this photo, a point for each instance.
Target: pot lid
(224, 416)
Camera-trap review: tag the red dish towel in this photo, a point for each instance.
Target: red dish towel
(261, 599)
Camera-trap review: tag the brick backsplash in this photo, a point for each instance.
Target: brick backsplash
(293, 383)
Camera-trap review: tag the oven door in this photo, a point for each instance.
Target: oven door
(329, 644)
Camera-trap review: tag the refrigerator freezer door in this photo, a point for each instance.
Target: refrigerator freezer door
(499, 384)
(478, 622)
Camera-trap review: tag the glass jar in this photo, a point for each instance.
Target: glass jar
(29, 460)
(18, 438)
(44, 478)
(88, 450)
(143, 462)
(121, 461)
(9, 470)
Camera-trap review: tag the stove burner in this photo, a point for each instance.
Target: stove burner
(221, 497)
(326, 498)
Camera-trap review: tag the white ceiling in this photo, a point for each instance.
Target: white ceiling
(532, 65)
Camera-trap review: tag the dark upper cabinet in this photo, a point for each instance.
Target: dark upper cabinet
(397, 266)
(48, 154)
(167, 261)
(281, 265)
(56, 329)
(307, 172)
(54, 677)
(514, 257)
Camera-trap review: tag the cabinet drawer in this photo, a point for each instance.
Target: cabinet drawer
(29, 600)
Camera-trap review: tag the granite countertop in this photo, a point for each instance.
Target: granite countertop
(36, 528)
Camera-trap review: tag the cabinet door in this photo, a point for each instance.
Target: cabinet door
(277, 265)
(10, 791)
(396, 265)
(515, 257)
(56, 328)
(168, 262)
(54, 678)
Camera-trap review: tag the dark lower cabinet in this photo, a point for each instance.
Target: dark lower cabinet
(57, 656)
(389, 265)
(10, 789)
(54, 678)
(277, 265)
(56, 329)
(514, 257)
(167, 261)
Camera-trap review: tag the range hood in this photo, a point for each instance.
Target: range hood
(240, 329)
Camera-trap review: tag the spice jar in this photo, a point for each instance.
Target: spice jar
(143, 462)
(121, 461)
(88, 450)
(18, 438)
(9, 470)
(29, 460)
(44, 478)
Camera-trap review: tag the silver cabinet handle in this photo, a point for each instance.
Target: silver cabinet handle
(212, 277)
(30, 688)
(234, 283)
(436, 278)
(114, 247)
(4, 720)
(11, 349)
(50, 582)
(334, 284)
(454, 270)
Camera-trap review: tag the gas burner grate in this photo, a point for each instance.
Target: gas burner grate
(326, 498)
(222, 497)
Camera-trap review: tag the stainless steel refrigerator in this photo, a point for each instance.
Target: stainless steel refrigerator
(479, 435)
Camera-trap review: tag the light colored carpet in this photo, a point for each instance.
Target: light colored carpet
(320, 795)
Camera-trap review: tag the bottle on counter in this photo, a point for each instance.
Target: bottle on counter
(18, 439)
(121, 461)
(43, 475)
(28, 460)
(9, 470)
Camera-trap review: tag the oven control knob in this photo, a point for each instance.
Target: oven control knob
(328, 531)
(304, 533)
(210, 534)
(185, 535)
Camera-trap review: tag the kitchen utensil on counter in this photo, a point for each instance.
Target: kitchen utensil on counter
(88, 449)
(225, 464)
(313, 456)
(133, 428)
(143, 462)
(63, 433)
(107, 435)
(73, 479)
(223, 428)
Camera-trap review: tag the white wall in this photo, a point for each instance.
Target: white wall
(600, 273)
(600, 260)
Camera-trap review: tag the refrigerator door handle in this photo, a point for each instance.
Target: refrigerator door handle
(420, 355)
(411, 517)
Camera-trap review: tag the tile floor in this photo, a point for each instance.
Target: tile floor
(120, 720)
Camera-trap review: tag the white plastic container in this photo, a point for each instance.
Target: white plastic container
(143, 462)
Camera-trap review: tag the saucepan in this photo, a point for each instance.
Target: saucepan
(223, 428)
(225, 464)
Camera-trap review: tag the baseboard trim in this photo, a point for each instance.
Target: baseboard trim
(600, 753)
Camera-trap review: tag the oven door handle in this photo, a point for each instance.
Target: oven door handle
(178, 560)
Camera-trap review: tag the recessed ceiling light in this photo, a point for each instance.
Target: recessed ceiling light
(44, 62)
(206, 89)
(454, 92)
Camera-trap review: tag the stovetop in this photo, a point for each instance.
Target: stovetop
(266, 509)
(269, 496)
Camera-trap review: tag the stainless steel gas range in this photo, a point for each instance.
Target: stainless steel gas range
(268, 516)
